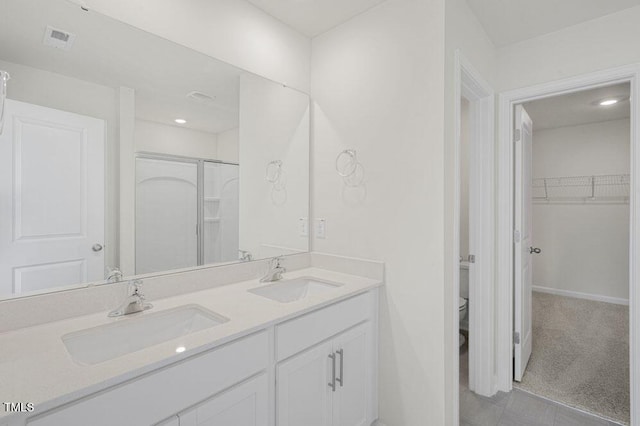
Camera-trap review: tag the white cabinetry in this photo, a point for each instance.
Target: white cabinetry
(317, 369)
(334, 382)
(244, 405)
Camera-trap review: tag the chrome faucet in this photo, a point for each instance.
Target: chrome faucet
(245, 256)
(275, 271)
(135, 302)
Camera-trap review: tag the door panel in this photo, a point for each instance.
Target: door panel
(243, 405)
(166, 215)
(52, 198)
(523, 223)
(352, 397)
(303, 395)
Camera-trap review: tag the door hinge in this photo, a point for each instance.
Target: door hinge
(516, 135)
(516, 236)
(516, 338)
(471, 258)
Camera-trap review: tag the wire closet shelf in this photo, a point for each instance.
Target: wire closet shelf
(611, 189)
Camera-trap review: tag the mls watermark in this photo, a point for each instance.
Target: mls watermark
(18, 407)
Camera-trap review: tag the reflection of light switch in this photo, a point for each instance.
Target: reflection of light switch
(303, 227)
(321, 228)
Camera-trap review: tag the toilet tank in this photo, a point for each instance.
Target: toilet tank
(464, 279)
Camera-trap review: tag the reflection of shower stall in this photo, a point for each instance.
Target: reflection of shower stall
(186, 213)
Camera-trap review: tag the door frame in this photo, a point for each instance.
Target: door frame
(469, 84)
(505, 205)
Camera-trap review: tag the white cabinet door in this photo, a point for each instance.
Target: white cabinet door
(303, 392)
(352, 400)
(173, 421)
(244, 405)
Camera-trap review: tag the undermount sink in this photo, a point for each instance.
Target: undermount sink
(105, 342)
(294, 289)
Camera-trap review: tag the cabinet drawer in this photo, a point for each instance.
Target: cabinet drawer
(300, 333)
(156, 396)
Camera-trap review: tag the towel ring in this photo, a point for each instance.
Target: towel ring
(346, 163)
(274, 171)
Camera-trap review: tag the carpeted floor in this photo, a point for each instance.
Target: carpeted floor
(580, 355)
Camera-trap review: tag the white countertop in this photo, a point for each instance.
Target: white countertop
(36, 367)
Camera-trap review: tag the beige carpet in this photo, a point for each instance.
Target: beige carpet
(580, 355)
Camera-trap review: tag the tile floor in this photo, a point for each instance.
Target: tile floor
(517, 408)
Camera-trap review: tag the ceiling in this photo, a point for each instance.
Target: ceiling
(579, 108)
(313, 17)
(114, 54)
(511, 21)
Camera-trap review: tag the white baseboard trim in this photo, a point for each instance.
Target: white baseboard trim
(578, 295)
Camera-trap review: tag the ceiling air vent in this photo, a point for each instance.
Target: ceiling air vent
(58, 38)
(201, 97)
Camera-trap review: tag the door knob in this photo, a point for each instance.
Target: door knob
(97, 247)
(535, 250)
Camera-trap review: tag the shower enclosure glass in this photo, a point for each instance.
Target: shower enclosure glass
(186, 213)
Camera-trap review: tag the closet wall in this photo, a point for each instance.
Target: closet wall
(585, 245)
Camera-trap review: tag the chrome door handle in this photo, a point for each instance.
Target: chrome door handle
(535, 250)
(332, 383)
(96, 247)
(341, 379)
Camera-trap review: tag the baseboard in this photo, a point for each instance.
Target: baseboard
(578, 295)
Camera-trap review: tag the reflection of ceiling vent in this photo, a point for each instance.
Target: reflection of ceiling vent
(201, 97)
(58, 38)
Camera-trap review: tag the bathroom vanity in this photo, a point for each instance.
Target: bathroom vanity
(261, 361)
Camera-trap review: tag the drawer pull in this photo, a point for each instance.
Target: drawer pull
(332, 383)
(341, 379)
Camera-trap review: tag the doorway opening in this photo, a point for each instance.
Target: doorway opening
(555, 214)
(571, 283)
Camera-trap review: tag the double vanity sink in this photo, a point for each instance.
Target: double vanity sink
(236, 351)
(98, 344)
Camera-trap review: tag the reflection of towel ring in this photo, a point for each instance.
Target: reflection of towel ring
(274, 171)
(346, 163)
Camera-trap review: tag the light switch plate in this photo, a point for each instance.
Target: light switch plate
(303, 227)
(321, 228)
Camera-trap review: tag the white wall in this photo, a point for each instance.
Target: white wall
(57, 91)
(602, 43)
(165, 139)
(585, 247)
(378, 85)
(274, 126)
(228, 145)
(233, 31)
(463, 32)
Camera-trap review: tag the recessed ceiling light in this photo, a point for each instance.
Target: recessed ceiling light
(180, 121)
(180, 349)
(608, 102)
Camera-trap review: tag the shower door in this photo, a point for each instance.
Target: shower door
(220, 237)
(186, 213)
(166, 214)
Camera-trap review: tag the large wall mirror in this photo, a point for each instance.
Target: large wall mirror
(123, 153)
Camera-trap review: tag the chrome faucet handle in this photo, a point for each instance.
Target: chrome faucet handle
(136, 288)
(275, 262)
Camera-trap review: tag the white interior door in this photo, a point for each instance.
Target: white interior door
(522, 238)
(166, 215)
(51, 198)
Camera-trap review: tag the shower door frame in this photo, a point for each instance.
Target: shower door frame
(505, 204)
(200, 189)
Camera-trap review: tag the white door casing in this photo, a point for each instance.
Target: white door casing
(51, 198)
(523, 241)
